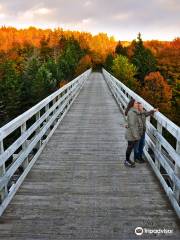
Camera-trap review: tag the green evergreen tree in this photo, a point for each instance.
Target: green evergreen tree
(45, 50)
(28, 78)
(52, 67)
(43, 84)
(38, 81)
(69, 59)
(109, 62)
(120, 49)
(10, 91)
(143, 59)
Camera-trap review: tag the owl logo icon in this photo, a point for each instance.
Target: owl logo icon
(139, 231)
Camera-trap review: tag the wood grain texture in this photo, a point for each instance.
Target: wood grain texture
(166, 157)
(79, 188)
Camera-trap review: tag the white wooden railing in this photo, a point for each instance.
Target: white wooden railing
(35, 127)
(162, 156)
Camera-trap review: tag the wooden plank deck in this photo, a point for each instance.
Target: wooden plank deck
(79, 188)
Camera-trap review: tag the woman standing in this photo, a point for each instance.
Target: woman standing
(138, 149)
(134, 130)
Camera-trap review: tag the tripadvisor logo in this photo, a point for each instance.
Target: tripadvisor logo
(139, 231)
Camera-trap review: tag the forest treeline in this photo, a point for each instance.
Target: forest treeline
(36, 62)
(151, 69)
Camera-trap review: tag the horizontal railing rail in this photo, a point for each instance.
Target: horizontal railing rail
(30, 132)
(163, 157)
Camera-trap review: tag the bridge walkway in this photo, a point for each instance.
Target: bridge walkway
(79, 188)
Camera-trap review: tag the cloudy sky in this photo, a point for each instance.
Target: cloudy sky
(155, 19)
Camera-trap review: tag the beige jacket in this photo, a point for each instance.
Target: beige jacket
(134, 129)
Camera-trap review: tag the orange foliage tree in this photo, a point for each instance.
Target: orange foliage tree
(98, 46)
(157, 91)
(84, 64)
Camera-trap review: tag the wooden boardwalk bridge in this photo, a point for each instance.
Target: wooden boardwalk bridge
(78, 187)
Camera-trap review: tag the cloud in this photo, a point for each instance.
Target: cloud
(87, 20)
(34, 13)
(123, 18)
(2, 16)
(87, 3)
(42, 11)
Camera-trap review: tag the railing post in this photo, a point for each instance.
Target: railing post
(70, 93)
(58, 98)
(4, 191)
(177, 173)
(38, 130)
(47, 119)
(46, 109)
(158, 145)
(54, 111)
(54, 101)
(24, 146)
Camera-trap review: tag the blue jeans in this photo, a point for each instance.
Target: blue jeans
(138, 148)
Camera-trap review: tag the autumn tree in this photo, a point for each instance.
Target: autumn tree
(130, 49)
(157, 91)
(33, 60)
(100, 46)
(84, 64)
(125, 71)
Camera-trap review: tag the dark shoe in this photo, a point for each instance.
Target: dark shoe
(129, 164)
(142, 159)
(132, 163)
(139, 160)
